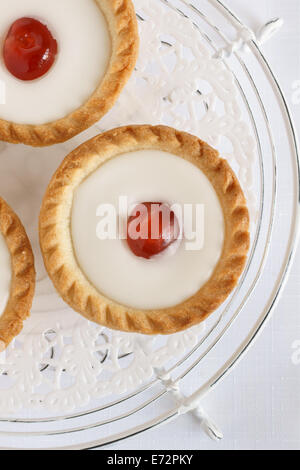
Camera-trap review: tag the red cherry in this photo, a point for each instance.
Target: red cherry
(29, 49)
(152, 228)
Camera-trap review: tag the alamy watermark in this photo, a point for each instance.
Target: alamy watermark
(296, 353)
(296, 92)
(113, 221)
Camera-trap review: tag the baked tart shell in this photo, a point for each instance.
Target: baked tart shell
(56, 241)
(23, 276)
(122, 23)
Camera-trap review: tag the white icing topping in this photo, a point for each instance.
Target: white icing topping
(84, 52)
(5, 274)
(166, 280)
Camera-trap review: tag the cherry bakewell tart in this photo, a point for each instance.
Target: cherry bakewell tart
(63, 65)
(150, 285)
(17, 275)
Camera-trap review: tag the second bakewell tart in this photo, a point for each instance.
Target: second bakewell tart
(157, 286)
(63, 64)
(17, 275)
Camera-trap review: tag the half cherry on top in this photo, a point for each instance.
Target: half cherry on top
(152, 228)
(29, 49)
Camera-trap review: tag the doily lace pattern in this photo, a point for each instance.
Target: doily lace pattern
(61, 362)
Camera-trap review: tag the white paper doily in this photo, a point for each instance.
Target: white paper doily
(61, 362)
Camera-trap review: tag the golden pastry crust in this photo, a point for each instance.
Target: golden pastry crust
(122, 22)
(56, 242)
(23, 275)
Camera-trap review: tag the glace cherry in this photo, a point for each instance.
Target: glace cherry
(152, 228)
(29, 49)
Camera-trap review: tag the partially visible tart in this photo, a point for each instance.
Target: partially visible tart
(17, 275)
(63, 65)
(151, 284)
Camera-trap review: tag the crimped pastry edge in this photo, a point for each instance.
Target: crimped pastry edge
(23, 275)
(122, 22)
(56, 242)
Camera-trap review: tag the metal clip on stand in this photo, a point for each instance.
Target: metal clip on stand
(245, 35)
(185, 405)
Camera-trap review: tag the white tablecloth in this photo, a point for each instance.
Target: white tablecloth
(258, 405)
